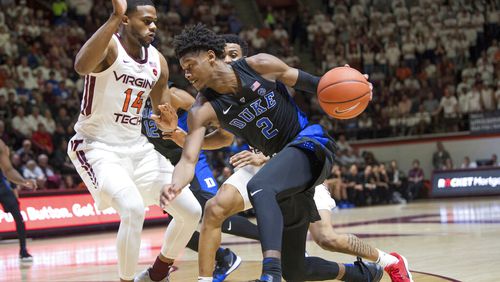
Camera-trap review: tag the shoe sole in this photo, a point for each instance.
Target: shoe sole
(379, 274)
(407, 268)
(235, 265)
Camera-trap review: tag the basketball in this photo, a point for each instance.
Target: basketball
(343, 93)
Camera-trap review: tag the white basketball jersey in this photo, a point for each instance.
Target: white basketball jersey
(113, 99)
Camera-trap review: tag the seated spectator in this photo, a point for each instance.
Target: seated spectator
(354, 187)
(448, 164)
(20, 123)
(226, 173)
(415, 181)
(467, 163)
(494, 160)
(26, 152)
(343, 144)
(397, 183)
(42, 139)
(32, 171)
(53, 180)
(382, 185)
(369, 186)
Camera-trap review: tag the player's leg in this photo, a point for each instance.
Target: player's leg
(325, 236)
(151, 172)
(10, 204)
(231, 198)
(296, 267)
(107, 177)
(292, 171)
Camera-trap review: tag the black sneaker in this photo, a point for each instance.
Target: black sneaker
(24, 256)
(229, 264)
(372, 271)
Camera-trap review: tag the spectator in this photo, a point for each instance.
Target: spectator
(449, 106)
(42, 139)
(35, 118)
(342, 143)
(448, 164)
(354, 187)
(26, 152)
(467, 163)
(32, 171)
(397, 183)
(381, 180)
(53, 180)
(337, 187)
(20, 123)
(494, 160)
(440, 156)
(415, 181)
(226, 173)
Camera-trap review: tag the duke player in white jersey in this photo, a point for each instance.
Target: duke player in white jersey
(119, 166)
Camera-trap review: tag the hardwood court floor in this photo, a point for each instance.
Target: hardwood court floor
(443, 240)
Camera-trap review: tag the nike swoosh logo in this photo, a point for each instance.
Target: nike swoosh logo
(227, 110)
(229, 228)
(255, 192)
(337, 111)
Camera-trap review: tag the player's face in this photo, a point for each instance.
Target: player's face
(197, 68)
(232, 52)
(142, 24)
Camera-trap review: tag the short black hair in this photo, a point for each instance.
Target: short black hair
(133, 4)
(198, 38)
(234, 38)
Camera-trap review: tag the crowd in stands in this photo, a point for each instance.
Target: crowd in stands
(431, 62)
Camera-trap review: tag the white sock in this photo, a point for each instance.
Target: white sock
(385, 259)
(205, 279)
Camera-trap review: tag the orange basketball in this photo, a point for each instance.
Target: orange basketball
(343, 93)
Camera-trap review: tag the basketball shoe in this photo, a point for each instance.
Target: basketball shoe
(224, 267)
(373, 272)
(399, 271)
(25, 257)
(144, 277)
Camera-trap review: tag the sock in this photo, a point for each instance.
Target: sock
(272, 267)
(353, 273)
(205, 279)
(219, 255)
(385, 259)
(159, 270)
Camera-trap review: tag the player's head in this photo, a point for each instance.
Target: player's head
(139, 23)
(198, 48)
(235, 48)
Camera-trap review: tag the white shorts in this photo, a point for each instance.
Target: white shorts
(242, 176)
(107, 169)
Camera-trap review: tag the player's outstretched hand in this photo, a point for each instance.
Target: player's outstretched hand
(168, 194)
(366, 76)
(244, 158)
(178, 136)
(30, 184)
(119, 7)
(167, 120)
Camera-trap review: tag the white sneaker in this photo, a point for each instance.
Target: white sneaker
(144, 277)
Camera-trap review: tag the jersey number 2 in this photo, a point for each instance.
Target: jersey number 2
(267, 127)
(137, 104)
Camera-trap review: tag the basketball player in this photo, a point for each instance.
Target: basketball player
(119, 166)
(8, 197)
(322, 231)
(245, 99)
(204, 186)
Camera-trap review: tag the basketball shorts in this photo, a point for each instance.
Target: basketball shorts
(107, 169)
(242, 176)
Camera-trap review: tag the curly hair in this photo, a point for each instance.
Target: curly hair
(198, 38)
(132, 5)
(234, 38)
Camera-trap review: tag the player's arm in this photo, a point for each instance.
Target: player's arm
(164, 114)
(217, 139)
(199, 118)
(100, 49)
(272, 68)
(181, 99)
(10, 172)
(244, 158)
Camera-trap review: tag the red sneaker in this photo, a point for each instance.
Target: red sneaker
(399, 271)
